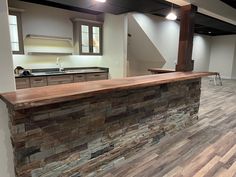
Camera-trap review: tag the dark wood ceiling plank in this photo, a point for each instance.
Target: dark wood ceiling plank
(66, 6)
(231, 3)
(156, 7)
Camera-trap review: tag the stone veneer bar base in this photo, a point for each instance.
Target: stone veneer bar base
(90, 135)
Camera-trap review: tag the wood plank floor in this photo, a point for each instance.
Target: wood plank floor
(207, 149)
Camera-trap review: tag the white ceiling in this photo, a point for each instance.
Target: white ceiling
(214, 8)
(179, 2)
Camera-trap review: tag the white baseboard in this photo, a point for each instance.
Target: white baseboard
(224, 77)
(227, 78)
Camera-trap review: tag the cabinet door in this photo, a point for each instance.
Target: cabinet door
(38, 81)
(96, 76)
(63, 79)
(79, 78)
(22, 83)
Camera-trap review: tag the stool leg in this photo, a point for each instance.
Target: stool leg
(220, 80)
(215, 80)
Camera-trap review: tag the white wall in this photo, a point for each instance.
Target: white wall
(201, 52)
(115, 45)
(6, 84)
(34, 62)
(164, 35)
(142, 53)
(222, 55)
(43, 20)
(234, 64)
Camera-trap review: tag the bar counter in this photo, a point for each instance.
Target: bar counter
(34, 97)
(84, 129)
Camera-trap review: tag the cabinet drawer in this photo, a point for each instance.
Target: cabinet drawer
(22, 83)
(79, 78)
(65, 79)
(96, 76)
(38, 81)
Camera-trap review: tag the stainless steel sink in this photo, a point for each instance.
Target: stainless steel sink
(48, 73)
(55, 72)
(83, 70)
(70, 71)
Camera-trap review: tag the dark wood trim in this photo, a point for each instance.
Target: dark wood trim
(63, 6)
(90, 38)
(185, 62)
(230, 3)
(20, 32)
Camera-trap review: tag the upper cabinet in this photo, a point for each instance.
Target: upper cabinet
(16, 35)
(88, 37)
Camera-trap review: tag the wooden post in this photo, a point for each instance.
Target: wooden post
(185, 62)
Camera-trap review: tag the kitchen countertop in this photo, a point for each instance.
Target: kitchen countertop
(55, 71)
(34, 97)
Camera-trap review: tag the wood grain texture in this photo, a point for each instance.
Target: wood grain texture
(33, 97)
(187, 16)
(206, 149)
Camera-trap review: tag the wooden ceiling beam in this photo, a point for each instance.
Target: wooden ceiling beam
(185, 62)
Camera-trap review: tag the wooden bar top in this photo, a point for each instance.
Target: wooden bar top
(34, 97)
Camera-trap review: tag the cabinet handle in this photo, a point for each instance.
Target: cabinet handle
(38, 80)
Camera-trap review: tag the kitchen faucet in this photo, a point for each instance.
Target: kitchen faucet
(59, 64)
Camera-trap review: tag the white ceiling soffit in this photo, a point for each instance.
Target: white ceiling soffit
(179, 2)
(216, 9)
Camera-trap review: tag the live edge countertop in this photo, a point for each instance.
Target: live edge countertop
(34, 97)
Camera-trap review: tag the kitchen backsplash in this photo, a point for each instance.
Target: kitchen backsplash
(34, 62)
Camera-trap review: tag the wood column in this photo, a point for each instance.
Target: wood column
(185, 62)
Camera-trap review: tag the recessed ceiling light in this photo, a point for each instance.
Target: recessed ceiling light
(171, 16)
(101, 1)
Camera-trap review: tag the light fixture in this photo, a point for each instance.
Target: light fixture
(171, 15)
(101, 1)
(209, 32)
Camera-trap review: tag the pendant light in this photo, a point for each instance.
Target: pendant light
(171, 15)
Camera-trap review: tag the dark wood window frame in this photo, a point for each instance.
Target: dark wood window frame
(20, 32)
(91, 24)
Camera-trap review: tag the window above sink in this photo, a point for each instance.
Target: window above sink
(88, 37)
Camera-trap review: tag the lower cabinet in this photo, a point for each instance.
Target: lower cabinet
(38, 81)
(98, 76)
(62, 79)
(27, 82)
(22, 83)
(79, 78)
